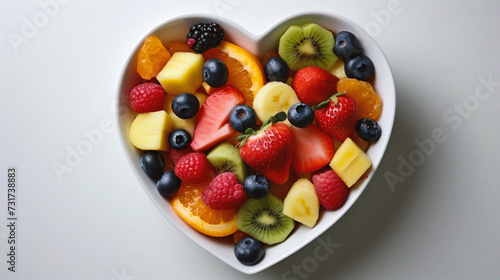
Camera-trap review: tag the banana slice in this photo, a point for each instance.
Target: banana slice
(273, 98)
(302, 203)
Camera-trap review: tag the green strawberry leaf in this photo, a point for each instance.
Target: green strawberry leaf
(243, 137)
(279, 117)
(333, 98)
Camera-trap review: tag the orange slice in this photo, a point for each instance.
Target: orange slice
(188, 205)
(176, 46)
(368, 101)
(246, 73)
(151, 58)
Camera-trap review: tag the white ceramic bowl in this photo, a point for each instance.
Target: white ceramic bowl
(175, 29)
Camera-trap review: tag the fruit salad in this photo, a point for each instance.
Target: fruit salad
(252, 147)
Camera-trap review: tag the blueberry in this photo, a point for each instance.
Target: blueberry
(179, 139)
(242, 117)
(256, 186)
(346, 45)
(276, 69)
(248, 251)
(185, 105)
(368, 130)
(359, 67)
(215, 72)
(152, 164)
(168, 184)
(301, 115)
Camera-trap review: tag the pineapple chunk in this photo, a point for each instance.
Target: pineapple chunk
(149, 131)
(209, 89)
(338, 69)
(302, 203)
(201, 97)
(350, 162)
(187, 124)
(182, 73)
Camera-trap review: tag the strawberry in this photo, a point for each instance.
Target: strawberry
(314, 85)
(224, 192)
(337, 116)
(193, 168)
(313, 149)
(212, 122)
(269, 151)
(331, 190)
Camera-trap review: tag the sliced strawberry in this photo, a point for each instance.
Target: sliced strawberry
(212, 125)
(313, 149)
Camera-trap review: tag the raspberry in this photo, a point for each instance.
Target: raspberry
(203, 36)
(147, 97)
(331, 190)
(176, 155)
(193, 168)
(224, 192)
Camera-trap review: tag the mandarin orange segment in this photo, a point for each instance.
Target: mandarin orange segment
(268, 55)
(238, 235)
(187, 204)
(246, 73)
(360, 142)
(174, 47)
(274, 53)
(368, 101)
(151, 58)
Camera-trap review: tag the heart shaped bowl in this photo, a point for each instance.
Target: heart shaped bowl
(175, 29)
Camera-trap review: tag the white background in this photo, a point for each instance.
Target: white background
(59, 83)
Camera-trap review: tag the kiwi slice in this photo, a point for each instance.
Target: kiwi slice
(264, 219)
(226, 157)
(307, 45)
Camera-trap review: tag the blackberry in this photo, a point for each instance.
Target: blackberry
(203, 36)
